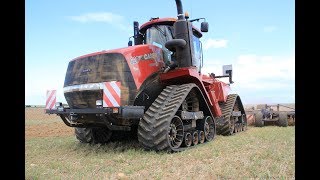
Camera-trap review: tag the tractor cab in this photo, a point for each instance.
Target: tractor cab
(158, 31)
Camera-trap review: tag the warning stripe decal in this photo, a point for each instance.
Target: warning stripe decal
(51, 99)
(111, 94)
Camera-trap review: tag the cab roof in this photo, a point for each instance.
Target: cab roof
(166, 21)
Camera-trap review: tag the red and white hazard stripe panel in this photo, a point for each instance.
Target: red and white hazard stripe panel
(250, 119)
(51, 99)
(111, 94)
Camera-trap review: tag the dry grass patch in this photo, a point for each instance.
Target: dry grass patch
(265, 153)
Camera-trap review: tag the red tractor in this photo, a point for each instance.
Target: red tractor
(154, 89)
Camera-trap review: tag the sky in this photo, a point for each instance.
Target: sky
(256, 37)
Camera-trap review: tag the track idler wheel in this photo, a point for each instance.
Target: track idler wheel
(175, 133)
(195, 138)
(201, 136)
(187, 139)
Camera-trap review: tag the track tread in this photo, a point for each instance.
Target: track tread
(224, 123)
(152, 130)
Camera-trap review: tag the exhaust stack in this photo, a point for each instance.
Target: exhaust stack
(182, 44)
(180, 10)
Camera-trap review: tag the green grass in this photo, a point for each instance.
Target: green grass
(267, 152)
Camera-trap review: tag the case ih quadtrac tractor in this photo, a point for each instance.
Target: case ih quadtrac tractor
(154, 88)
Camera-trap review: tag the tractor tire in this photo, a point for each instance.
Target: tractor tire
(258, 119)
(93, 135)
(283, 119)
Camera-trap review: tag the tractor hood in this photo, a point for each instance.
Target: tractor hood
(127, 68)
(142, 60)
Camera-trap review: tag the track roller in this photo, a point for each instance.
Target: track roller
(240, 127)
(202, 138)
(187, 139)
(195, 138)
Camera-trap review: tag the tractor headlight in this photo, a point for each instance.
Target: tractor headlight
(115, 110)
(99, 102)
(58, 104)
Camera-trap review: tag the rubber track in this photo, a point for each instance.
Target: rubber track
(153, 127)
(223, 124)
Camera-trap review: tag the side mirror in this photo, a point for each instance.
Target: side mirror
(130, 43)
(204, 27)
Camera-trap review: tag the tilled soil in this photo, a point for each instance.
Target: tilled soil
(44, 125)
(47, 130)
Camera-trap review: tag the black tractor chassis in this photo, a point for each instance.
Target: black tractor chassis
(69, 116)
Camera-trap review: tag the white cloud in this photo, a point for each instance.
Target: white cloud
(253, 71)
(105, 17)
(98, 17)
(259, 78)
(269, 29)
(214, 43)
(260, 72)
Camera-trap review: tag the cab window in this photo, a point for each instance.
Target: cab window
(158, 35)
(197, 52)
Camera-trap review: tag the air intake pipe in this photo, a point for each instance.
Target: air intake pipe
(182, 43)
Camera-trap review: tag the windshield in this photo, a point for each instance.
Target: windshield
(158, 35)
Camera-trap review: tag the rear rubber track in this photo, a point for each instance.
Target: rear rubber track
(226, 125)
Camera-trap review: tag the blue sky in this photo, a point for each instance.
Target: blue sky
(256, 37)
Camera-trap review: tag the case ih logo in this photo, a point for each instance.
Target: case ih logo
(149, 56)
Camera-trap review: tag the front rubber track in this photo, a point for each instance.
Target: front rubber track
(153, 127)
